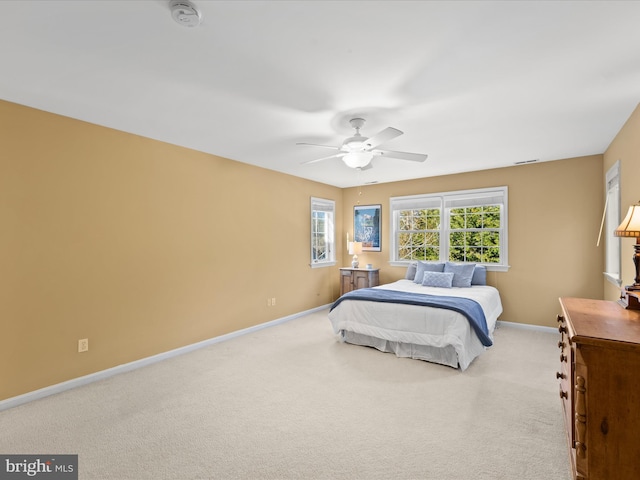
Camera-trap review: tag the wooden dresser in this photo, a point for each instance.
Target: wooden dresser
(600, 388)
(355, 278)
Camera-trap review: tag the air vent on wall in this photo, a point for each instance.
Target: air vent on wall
(185, 13)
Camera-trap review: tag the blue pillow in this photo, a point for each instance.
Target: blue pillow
(462, 273)
(479, 275)
(437, 279)
(426, 267)
(411, 272)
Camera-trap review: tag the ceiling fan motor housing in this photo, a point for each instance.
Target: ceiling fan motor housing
(354, 144)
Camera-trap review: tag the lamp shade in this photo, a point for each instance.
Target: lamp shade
(355, 248)
(630, 226)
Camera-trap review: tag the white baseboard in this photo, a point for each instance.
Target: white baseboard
(527, 326)
(143, 362)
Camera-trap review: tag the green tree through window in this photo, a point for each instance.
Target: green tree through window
(475, 234)
(464, 226)
(419, 234)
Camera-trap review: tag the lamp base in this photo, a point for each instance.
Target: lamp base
(630, 298)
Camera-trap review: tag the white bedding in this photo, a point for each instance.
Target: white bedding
(426, 333)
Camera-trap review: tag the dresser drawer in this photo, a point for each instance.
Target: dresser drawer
(565, 376)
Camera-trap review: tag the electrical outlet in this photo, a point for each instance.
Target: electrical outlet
(273, 302)
(83, 345)
(268, 302)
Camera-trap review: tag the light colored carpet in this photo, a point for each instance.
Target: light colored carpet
(291, 402)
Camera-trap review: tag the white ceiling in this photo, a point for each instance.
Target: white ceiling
(473, 84)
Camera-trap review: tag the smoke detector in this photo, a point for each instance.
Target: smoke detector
(185, 13)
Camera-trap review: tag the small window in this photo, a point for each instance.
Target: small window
(611, 222)
(322, 232)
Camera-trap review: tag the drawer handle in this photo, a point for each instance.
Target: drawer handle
(581, 449)
(562, 329)
(563, 357)
(560, 318)
(561, 345)
(564, 395)
(561, 376)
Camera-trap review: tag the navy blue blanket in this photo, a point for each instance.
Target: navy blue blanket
(467, 307)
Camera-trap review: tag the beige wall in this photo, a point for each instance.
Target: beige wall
(554, 218)
(626, 148)
(139, 246)
(143, 246)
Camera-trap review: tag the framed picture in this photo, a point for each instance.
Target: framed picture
(366, 226)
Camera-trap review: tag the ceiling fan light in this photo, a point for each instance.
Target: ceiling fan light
(357, 159)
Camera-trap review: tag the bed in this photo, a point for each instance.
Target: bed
(443, 313)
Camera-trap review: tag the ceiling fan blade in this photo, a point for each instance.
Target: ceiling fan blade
(413, 157)
(337, 155)
(332, 147)
(385, 135)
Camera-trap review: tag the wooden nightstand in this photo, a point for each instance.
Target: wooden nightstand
(355, 278)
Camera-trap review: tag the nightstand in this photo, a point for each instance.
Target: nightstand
(355, 278)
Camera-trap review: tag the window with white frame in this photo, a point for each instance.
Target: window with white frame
(465, 226)
(322, 232)
(611, 222)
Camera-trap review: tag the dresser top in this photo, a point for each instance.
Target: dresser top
(598, 321)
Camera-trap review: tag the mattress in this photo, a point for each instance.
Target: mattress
(425, 333)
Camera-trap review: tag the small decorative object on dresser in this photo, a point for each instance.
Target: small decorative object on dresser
(599, 377)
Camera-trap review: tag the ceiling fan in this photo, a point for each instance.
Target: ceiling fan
(358, 151)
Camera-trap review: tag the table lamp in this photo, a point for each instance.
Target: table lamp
(354, 249)
(630, 227)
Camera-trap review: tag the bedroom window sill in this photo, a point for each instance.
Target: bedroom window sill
(617, 281)
(490, 268)
(323, 264)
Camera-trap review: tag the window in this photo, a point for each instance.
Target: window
(466, 226)
(611, 222)
(322, 232)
